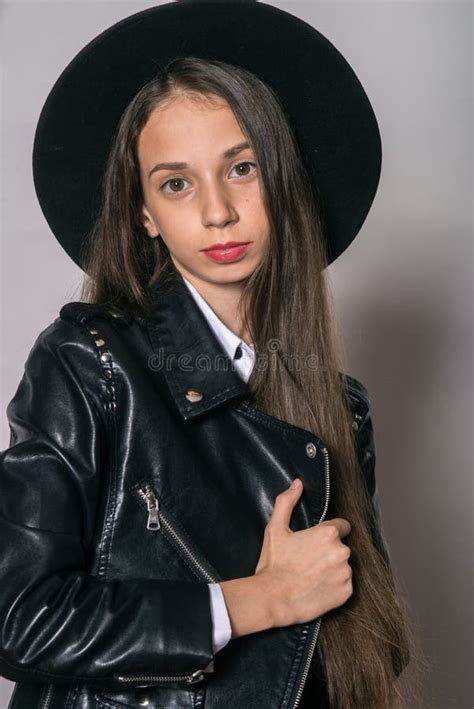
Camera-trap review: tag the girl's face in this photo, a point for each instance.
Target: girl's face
(211, 195)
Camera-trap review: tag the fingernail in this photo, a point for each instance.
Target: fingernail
(296, 483)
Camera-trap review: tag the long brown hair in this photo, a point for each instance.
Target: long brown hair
(367, 641)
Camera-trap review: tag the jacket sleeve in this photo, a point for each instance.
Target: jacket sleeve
(58, 622)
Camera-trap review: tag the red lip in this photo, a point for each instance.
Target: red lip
(226, 245)
(229, 252)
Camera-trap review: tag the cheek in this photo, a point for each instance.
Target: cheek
(256, 204)
(168, 216)
(260, 220)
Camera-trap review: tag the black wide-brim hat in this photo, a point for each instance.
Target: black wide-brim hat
(331, 115)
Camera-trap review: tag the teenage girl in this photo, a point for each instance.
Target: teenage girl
(205, 186)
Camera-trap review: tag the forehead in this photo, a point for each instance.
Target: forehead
(188, 122)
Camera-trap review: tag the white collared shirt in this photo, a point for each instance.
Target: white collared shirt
(243, 358)
(231, 343)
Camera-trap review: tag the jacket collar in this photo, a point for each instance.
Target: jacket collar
(199, 373)
(228, 339)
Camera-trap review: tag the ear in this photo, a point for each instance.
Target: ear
(148, 223)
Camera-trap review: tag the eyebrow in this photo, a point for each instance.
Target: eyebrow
(229, 153)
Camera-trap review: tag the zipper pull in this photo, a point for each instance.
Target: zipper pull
(153, 507)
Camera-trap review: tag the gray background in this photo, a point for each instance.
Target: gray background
(403, 289)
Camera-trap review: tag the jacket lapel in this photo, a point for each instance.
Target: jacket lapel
(199, 373)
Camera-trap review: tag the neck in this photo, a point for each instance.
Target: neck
(223, 298)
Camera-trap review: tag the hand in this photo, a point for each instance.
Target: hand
(304, 573)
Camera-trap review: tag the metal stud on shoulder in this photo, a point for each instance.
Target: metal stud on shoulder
(106, 364)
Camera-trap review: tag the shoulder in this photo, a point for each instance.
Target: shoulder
(362, 424)
(76, 325)
(359, 400)
(96, 320)
(74, 346)
(80, 313)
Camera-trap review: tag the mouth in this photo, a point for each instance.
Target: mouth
(228, 252)
(225, 247)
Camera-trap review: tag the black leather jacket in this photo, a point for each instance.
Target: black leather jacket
(104, 599)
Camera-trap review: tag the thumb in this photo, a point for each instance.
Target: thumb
(285, 503)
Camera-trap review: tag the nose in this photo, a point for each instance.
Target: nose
(217, 208)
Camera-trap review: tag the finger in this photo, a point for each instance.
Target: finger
(284, 504)
(342, 525)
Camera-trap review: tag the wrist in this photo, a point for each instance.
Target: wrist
(248, 604)
(271, 603)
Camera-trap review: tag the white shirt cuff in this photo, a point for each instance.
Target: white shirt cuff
(221, 628)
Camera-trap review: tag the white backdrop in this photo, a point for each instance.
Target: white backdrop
(403, 289)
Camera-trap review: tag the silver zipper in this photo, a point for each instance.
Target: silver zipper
(156, 520)
(193, 678)
(156, 515)
(153, 507)
(318, 624)
(47, 699)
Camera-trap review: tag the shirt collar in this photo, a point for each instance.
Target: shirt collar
(228, 339)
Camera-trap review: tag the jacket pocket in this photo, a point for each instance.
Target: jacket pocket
(158, 519)
(172, 691)
(153, 697)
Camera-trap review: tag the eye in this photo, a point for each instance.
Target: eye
(172, 182)
(240, 164)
